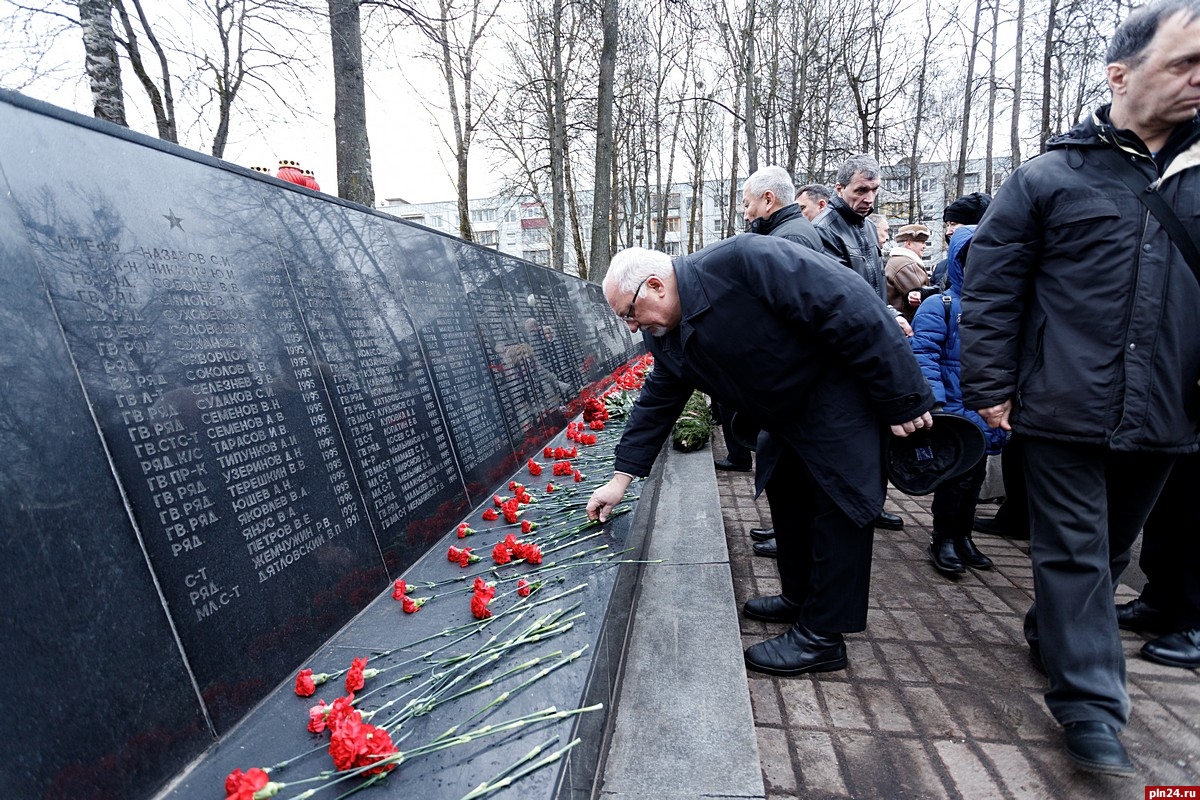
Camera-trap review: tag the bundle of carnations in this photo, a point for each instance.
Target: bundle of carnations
(519, 600)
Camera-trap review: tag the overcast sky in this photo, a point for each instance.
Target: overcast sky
(408, 158)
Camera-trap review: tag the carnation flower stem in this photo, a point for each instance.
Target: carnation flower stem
(509, 777)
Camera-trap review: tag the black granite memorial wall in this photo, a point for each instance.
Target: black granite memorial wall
(234, 411)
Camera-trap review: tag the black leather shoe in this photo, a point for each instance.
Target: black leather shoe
(944, 558)
(762, 534)
(969, 554)
(729, 466)
(1178, 649)
(1138, 615)
(889, 522)
(993, 526)
(798, 651)
(766, 549)
(772, 608)
(1095, 747)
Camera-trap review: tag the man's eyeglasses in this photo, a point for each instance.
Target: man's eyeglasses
(628, 315)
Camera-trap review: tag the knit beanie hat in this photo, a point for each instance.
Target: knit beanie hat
(967, 209)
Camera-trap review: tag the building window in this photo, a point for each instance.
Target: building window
(929, 184)
(489, 238)
(483, 215)
(898, 209)
(897, 185)
(671, 248)
(971, 182)
(537, 256)
(510, 215)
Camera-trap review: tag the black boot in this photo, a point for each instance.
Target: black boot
(970, 555)
(945, 559)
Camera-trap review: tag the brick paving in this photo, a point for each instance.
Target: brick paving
(939, 699)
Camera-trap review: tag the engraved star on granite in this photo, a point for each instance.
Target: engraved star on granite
(176, 222)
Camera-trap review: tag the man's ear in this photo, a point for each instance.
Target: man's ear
(1118, 77)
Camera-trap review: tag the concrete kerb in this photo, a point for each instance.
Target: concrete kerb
(683, 723)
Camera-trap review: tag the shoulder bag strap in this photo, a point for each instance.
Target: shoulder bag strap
(1157, 205)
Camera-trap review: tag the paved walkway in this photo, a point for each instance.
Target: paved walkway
(939, 700)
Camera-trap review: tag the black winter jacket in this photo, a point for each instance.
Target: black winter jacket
(789, 223)
(852, 240)
(792, 338)
(1077, 306)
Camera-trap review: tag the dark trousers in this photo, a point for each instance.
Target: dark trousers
(1086, 506)
(1171, 546)
(1013, 514)
(954, 502)
(824, 557)
(737, 453)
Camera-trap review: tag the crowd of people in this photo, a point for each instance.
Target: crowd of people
(1061, 322)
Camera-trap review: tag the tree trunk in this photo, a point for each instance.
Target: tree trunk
(1047, 76)
(602, 219)
(350, 105)
(991, 115)
(558, 132)
(751, 110)
(100, 61)
(965, 139)
(1014, 133)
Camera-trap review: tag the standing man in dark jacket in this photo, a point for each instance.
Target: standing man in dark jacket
(786, 335)
(769, 207)
(1079, 332)
(852, 239)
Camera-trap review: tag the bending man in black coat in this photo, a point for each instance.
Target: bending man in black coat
(802, 345)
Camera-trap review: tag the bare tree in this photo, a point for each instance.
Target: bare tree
(100, 63)
(968, 93)
(354, 178)
(162, 102)
(602, 216)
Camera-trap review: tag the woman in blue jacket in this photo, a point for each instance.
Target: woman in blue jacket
(935, 342)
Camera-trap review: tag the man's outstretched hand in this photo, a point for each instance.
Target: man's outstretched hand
(605, 499)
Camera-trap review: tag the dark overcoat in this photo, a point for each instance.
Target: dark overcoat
(798, 342)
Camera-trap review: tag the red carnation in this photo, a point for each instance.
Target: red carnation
(354, 677)
(464, 530)
(596, 425)
(490, 515)
(305, 686)
(243, 785)
(479, 606)
(526, 526)
(547, 452)
(497, 500)
(316, 717)
(500, 554)
(412, 606)
(523, 588)
(550, 487)
(466, 557)
(578, 476)
(342, 709)
(357, 744)
(453, 554)
(483, 587)
(400, 590)
(535, 468)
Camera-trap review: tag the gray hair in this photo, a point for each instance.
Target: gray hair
(632, 265)
(772, 179)
(1133, 35)
(854, 165)
(817, 191)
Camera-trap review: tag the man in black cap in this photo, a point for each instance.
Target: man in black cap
(966, 210)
